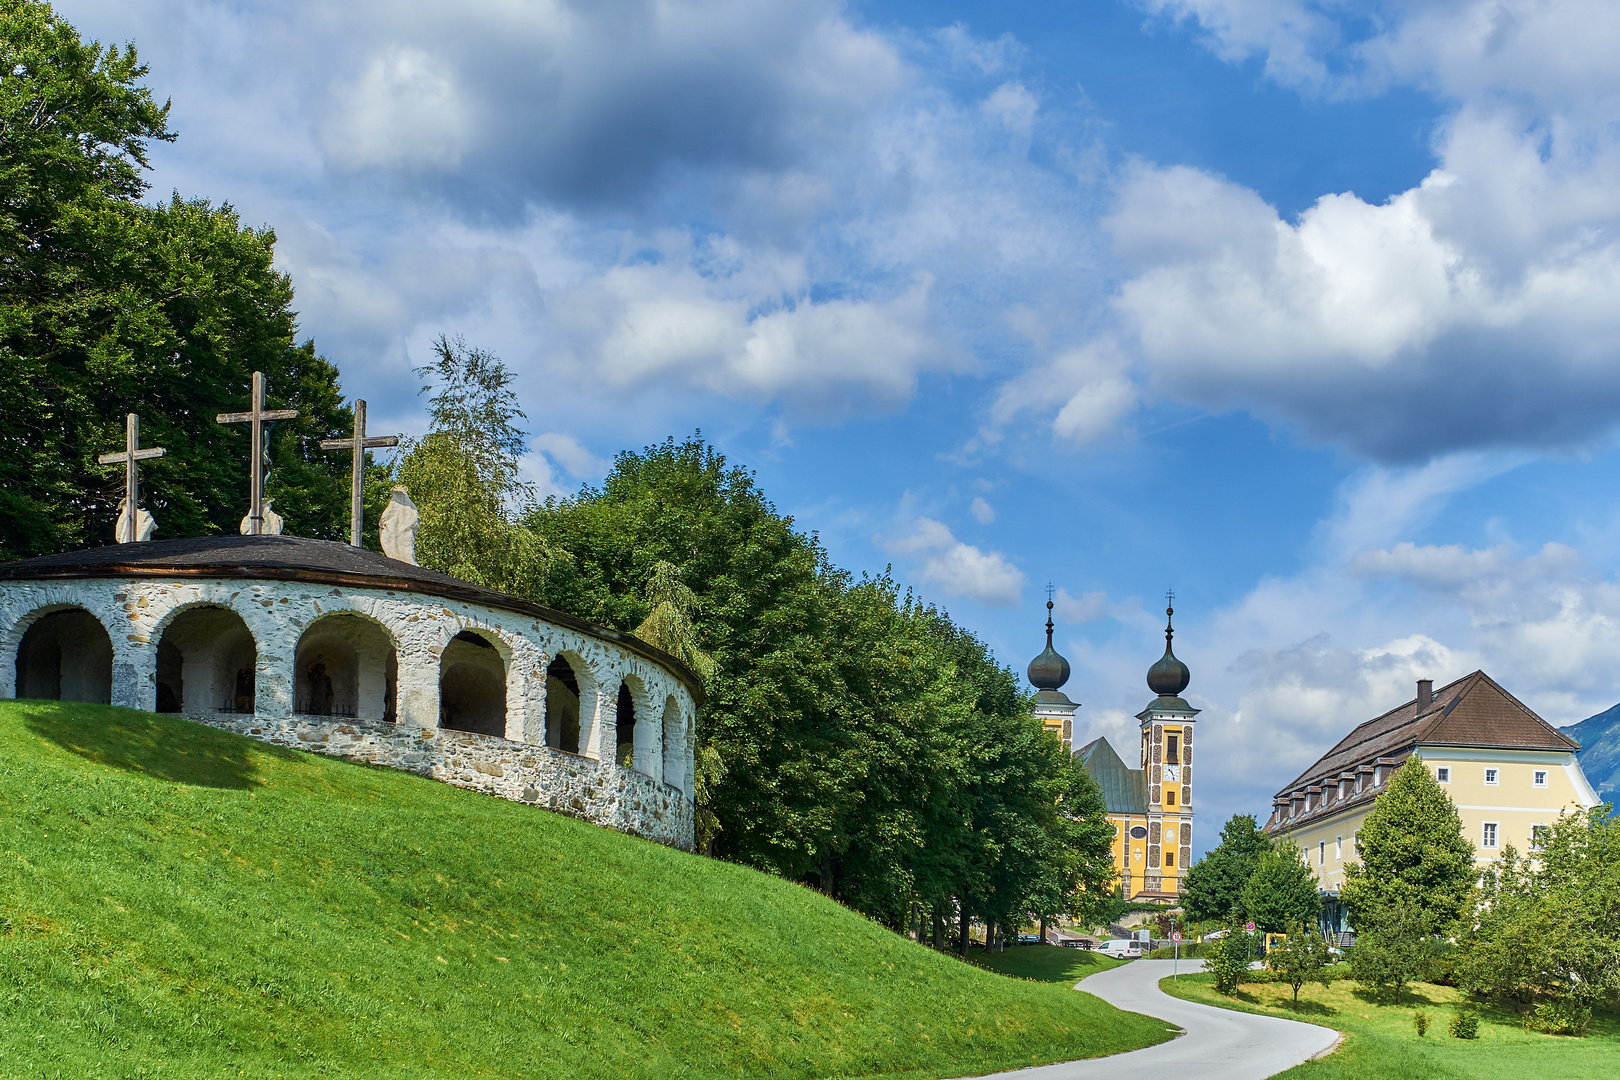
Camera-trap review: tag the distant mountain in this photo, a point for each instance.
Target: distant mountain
(1599, 737)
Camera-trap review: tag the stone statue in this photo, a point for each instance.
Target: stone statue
(398, 526)
(272, 522)
(144, 525)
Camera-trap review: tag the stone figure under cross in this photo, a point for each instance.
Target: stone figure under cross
(359, 443)
(128, 528)
(256, 417)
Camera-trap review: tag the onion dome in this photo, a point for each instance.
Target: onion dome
(1169, 677)
(1049, 670)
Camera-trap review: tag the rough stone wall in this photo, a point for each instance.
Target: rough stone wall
(581, 787)
(138, 611)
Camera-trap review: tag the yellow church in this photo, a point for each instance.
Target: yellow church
(1150, 806)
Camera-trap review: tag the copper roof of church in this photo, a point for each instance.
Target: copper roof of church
(322, 562)
(1473, 711)
(1124, 789)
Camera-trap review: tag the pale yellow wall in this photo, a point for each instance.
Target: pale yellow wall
(1514, 803)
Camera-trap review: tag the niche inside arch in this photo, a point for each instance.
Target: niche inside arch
(625, 725)
(674, 765)
(562, 706)
(67, 656)
(206, 662)
(472, 686)
(345, 666)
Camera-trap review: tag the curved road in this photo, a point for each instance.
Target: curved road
(1219, 1044)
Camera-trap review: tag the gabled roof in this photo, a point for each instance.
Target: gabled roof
(1124, 789)
(1474, 711)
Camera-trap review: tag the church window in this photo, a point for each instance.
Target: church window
(1172, 750)
(1488, 835)
(1169, 796)
(1490, 776)
(1541, 778)
(1443, 774)
(1170, 859)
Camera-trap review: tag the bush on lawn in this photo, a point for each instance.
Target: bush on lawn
(1465, 1024)
(1559, 1017)
(1228, 960)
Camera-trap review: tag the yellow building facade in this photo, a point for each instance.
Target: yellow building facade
(1150, 804)
(1508, 772)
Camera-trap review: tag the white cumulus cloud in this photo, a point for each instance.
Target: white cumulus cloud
(957, 568)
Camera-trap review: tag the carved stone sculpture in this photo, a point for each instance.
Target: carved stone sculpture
(398, 527)
(144, 525)
(272, 522)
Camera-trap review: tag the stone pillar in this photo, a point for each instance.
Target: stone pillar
(134, 674)
(591, 720)
(273, 671)
(418, 685)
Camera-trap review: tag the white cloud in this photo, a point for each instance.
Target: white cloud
(566, 451)
(1094, 605)
(982, 511)
(956, 568)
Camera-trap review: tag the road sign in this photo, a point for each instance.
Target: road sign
(1176, 936)
(1248, 926)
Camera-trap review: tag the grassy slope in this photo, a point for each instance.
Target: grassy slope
(1381, 1041)
(1045, 963)
(178, 901)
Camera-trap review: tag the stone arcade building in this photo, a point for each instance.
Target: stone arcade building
(327, 647)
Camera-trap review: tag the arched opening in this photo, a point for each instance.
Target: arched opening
(472, 686)
(562, 706)
(206, 662)
(625, 725)
(674, 764)
(66, 656)
(345, 666)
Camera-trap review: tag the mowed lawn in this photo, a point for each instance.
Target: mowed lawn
(1381, 1041)
(177, 901)
(1044, 963)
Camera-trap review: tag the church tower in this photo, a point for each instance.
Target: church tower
(1048, 672)
(1167, 749)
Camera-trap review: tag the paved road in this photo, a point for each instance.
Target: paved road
(1219, 1044)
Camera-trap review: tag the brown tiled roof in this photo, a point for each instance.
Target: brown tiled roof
(1473, 711)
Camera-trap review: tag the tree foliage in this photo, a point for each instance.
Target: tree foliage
(108, 306)
(1214, 885)
(1228, 958)
(1281, 890)
(1411, 853)
(1401, 949)
(1544, 932)
(1301, 958)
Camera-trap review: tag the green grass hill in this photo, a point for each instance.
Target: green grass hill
(177, 901)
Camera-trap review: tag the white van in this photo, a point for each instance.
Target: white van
(1123, 949)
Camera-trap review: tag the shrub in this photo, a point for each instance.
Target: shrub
(1420, 1020)
(1465, 1024)
(1189, 950)
(1560, 1016)
(1228, 960)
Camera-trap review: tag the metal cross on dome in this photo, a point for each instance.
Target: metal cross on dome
(256, 416)
(128, 458)
(359, 443)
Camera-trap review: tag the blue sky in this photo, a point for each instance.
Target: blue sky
(1305, 308)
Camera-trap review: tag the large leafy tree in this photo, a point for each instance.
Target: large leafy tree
(109, 305)
(1281, 890)
(1412, 853)
(1214, 886)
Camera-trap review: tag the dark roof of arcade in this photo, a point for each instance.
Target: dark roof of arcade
(1473, 711)
(296, 558)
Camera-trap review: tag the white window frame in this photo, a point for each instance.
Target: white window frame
(1539, 778)
(1492, 777)
(1338, 849)
(1321, 853)
(1490, 835)
(1538, 825)
(1442, 774)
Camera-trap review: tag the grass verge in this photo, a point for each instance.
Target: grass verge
(177, 901)
(1044, 963)
(1381, 1041)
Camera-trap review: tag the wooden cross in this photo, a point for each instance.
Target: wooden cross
(128, 457)
(359, 444)
(256, 416)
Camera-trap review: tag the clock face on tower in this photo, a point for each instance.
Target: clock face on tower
(1172, 774)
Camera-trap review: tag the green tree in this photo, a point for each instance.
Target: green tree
(110, 306)
(1214, 885)
(1228, 958)
(464, 476)
(1281, 890)
(1401, 949)
(1412, 853)
(1302, 957)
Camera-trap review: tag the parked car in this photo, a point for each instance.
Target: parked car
(1124, 949)
(1029, 939)
(1078, 943)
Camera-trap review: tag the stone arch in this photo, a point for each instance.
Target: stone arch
(673, 741)
(634, 726)
(472, 683)
(346, 664)
(64, 653)
(570, 700)
(207, 661)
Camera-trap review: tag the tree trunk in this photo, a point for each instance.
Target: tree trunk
(964, 922)
(939, 928)
(1043, 929)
